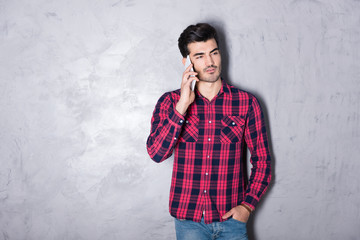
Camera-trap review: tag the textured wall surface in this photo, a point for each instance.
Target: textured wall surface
(79, 81)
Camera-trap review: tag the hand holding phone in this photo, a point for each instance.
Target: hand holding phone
(187, 63)
(187, 95)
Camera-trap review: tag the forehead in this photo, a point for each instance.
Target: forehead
(202, 47)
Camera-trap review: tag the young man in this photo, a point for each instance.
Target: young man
(210, 197)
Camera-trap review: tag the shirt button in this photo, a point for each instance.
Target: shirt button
(174, 138)
(209, 121)
(209, 139)
(208, 156)
(187, 121)
(233, 123)
(206, 174)
(204, 191)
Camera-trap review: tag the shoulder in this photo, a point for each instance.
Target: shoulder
(244, 98)
(169, 97)
(171, 94)
(241, 94)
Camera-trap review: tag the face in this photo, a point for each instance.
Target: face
(206, 59)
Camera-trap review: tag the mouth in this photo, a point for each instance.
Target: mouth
(211, 69)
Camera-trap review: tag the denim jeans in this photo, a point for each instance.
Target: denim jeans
(231, 229)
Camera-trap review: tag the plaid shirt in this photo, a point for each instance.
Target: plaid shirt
(209, 176)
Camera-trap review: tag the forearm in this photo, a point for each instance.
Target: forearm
(165, 128)
(259, 180)
(160, 144)
(257, 141)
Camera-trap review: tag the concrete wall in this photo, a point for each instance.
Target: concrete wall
(79, 81)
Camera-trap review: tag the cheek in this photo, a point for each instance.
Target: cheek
(198, 67)
(218, 60)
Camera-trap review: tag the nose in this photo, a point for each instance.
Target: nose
(209, 60)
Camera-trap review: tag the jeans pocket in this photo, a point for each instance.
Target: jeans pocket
(238, 221)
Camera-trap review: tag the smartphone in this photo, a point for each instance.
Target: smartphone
(187, 63)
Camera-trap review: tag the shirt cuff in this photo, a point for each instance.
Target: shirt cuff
(176, 118)
(250, 201)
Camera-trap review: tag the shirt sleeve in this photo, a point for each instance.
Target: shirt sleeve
(166, 124)
(257, 142)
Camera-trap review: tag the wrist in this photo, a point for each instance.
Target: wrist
(181, 107)
(247, 207)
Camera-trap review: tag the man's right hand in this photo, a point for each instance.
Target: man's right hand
(187, 96)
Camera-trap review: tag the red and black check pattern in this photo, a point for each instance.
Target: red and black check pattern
(208, 173)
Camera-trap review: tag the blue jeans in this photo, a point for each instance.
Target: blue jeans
(231, 229)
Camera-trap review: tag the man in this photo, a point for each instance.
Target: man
(210, 197)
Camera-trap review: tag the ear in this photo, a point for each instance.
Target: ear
(184, 61)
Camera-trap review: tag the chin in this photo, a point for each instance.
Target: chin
(209, 80)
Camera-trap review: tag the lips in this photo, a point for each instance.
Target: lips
(211, 70)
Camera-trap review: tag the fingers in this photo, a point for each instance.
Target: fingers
(239, 213)
(187, 96)
(228, 214)
(188, 68)
(188, 78)
(188, 75)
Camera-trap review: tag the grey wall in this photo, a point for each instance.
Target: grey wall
(79, 81)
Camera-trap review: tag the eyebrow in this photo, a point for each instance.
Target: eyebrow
(201, 53)
(215, 49)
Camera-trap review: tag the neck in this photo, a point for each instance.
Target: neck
(209, 90)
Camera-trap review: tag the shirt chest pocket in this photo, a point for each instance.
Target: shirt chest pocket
(232, 129)
(190, 130)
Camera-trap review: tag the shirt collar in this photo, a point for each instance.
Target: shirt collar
(225, 88)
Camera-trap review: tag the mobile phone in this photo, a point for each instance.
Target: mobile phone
(187, 63)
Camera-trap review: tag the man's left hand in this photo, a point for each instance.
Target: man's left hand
(239, 213)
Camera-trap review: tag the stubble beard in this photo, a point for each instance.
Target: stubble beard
(213, 77)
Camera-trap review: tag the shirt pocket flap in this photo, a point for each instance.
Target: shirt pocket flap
(232, 129)
(233, 121)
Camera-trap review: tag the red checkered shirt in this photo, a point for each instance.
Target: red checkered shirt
(209, 176)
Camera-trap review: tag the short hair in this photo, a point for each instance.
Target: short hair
(200, 32)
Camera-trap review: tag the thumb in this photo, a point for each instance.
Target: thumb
(228, 214)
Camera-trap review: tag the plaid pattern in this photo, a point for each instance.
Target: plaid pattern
(209, 142)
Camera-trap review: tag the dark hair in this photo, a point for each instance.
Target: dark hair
(200, 32)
